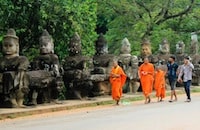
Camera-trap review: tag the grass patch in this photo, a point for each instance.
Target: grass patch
(195, 89)
(11, 116)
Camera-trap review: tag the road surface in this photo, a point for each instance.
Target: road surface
(128, 116)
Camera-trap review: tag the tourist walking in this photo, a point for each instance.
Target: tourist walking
(186, 73)
(172, 76)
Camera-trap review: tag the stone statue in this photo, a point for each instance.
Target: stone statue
(129, 64)
(146, 52)
(195, 58)
(46, 78)
(77, 71)
(194, 49)
(102, 62)
(180, 52)
(164, 52)
(13, 78)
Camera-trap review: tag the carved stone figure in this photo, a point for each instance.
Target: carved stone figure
(129, 64)
(46, 79)
(146, 52)
(102, 62)
(194, 49)
(164, 52)
(13, 79)
(77, 71)
(180, 52)
(195, 58)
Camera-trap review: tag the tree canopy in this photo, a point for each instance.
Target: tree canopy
(155, 20)
(116, 19)
(61, 18)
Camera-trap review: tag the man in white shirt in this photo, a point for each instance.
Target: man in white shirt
(186, 72)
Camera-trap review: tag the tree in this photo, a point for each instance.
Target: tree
(137, 19)
(61, 18)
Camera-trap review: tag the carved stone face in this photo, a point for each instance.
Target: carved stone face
(9, 47)
(100, 50)
(101, 45)
(146, 50)
(75, 49)
(126, 47)
(75, 45)
(164, 48)
(46, 47)
(180, 48)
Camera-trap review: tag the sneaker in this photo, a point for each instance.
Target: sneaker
(188, 100)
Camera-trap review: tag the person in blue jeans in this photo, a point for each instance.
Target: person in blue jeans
(172, 76)
(186, 72)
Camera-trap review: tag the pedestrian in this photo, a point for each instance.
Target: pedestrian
(117, 80)
(159, 83)
(172, 68)
(146, 75)
(186, 73)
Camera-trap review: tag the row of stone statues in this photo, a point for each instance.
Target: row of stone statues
(44, 78)
(40, 81)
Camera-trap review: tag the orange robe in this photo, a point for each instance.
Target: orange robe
(117, 83)
(159, 83)
(146, 73)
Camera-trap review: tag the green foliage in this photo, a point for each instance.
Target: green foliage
(117, 19)
(155, 20)
(61, 18)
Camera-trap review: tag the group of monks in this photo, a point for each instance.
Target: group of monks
(150, 77)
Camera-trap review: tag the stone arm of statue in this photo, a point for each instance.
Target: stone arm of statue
(134, 67)
(134, 62)
(20, 79)
(56, 70)
(35, 64)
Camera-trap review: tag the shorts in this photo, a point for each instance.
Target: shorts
(172, 84)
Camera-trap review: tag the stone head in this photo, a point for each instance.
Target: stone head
(180, 47)
(46, 43)
(75, 45)
(101, 45)
(146, 48)
(126, 47)
(164, 47)
(10, 45)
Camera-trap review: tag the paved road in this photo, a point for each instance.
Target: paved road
(135, 116)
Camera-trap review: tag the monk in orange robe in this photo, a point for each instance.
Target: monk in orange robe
(159, 83)
(146, 75)
(117, 80)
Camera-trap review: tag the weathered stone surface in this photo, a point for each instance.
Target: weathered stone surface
(180, 52)
(102, 62)
(146, 52)
(164, 52)
(45, 77)
(129, 64)
(14, 83)
(195, 58)
(77, 71)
